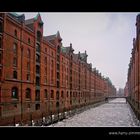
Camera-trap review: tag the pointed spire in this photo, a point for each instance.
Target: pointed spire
(58, 36)
(36, 17)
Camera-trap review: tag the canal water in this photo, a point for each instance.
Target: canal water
(115, 113)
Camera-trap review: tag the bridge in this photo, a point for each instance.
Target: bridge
(114, 97)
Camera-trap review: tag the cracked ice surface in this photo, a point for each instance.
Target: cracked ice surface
(116, 113)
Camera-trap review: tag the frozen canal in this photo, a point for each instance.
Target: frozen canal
(115, 113)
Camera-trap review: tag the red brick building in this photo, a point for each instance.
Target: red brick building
(132, 87)
(39, 76)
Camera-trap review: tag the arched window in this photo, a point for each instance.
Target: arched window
(28, 93)
(15, 74)
(45, 93)
(57, 95)
(15, 92)
(15, 33)
(57, 104)
(52, 94)
(37, 95)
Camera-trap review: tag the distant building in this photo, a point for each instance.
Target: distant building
(120, 92)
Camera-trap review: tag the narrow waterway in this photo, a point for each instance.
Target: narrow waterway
(115, 113)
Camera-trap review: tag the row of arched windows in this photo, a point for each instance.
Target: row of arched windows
(15, 93)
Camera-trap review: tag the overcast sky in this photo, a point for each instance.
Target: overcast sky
(107, 38)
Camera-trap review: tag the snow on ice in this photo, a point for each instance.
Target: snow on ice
(116, 113)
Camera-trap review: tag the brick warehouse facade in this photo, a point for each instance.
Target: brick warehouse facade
(132, 87)
(39, 76)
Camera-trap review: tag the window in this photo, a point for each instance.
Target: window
(45, 94)
(15, 62)
(28, 66)
(28, 53)
(39, 36)
(29, 41)
(37, 95)
(28, 93)
(37, 81)
(57, 75)
(67, 94)
(57, 95)
(15, 92)
(37, 58)
(37, 69)
(52, 94)
(37, 106)
(15, 48)
(15, 74)
(40, 24)
(57, 84)
(58, 49)
(28, 77)
(15, 33)
(70, 94)
(38, 48)
(57, 104)
(57, 66)
(57, 57)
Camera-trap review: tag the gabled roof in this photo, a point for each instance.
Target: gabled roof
(83, 56)
(65, 49)
(29, 21)
(50, 37)
(36, 17)
(17, 17)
